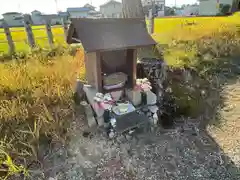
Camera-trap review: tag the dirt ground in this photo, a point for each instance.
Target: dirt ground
(183, 153)
(179, 154)
(228, 134)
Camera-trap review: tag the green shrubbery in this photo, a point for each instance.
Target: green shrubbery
(210, 61)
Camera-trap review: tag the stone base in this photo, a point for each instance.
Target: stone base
(90, 94)
(89, 114)
(134, 97)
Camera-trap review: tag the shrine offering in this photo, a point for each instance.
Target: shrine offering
(143, 85)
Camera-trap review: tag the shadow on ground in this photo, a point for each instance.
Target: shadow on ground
(200, 94)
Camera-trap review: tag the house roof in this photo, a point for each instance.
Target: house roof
(93, 12)
(89, 5)
(11, 13)
(77, 9)
(110, 2)
(18, 18)
(109, 34)
(50, 16)
(63, 13)
(36, 11)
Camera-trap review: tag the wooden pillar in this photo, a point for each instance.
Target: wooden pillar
(93, 70)
(49, 32)
(132, 60)
(99, 78)
(65, 27)
(151, 22)
(7, 31)
(29, 32)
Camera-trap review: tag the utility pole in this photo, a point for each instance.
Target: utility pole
(56, 3)
(153, 2)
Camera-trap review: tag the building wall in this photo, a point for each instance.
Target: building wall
(10, 19)
(160, 3)
(111, 10)
(1, 23)
(56, 21)
(191, 10)
(36, 13)
(210, 7)
(78, 14)
(226, 2)
(150, 2)
(146, 2)
(37, 20)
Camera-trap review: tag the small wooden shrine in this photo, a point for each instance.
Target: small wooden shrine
(110, 47)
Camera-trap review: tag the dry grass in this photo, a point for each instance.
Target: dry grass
(36, 104)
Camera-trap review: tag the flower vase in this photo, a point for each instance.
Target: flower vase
(144, 98)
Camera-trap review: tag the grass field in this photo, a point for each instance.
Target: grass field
(36, 92)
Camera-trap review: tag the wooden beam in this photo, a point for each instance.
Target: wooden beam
(49, 33)
(134, 67)
(7, 31)
(99, 76)
(29, 32)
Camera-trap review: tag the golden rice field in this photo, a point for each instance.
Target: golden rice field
(20, 38)
(191, 28)
(166, 29)
(170, 30)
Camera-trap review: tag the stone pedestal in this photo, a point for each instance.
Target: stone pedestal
(90, 94)
(135, 97)
(151, 98)
(89, 114)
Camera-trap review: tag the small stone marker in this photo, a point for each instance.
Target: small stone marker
(151, 98)
(134, 96)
